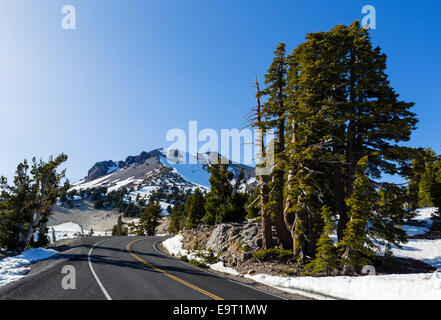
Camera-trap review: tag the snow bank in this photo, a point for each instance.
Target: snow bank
(174, 245)
(219, 266)
(393, 287)
(15, 268)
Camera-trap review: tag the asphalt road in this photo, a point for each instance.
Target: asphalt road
(120, 268)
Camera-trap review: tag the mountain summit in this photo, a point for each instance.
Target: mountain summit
(152, 168)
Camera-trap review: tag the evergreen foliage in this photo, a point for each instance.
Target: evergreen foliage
(149, 220)
(326, 261)
(225, 201)
(27, 204)
(355, 245)
(274, 112)
(176, 219)
(119, 229)
(196, 209)
(339, 125)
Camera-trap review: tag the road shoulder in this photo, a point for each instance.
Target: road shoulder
(66, 253)
(238, 279)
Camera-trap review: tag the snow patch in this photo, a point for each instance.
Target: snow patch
(15, 268)
(174, 245)
(70, 230)
(192, 170)
(428, 251)
(394, 287)
(219, 266)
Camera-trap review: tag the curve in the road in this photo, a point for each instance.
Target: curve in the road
(129, 250)
(120, 268)
(106, 294)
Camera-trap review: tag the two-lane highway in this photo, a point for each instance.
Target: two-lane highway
(119, 268)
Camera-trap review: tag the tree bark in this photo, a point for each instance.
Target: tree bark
(298, 235)
(350, 155)
(340, 200)
(279, 220)
(287, 215)
(35, 217)
(267, 237)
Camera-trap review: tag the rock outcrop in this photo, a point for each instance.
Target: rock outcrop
(103, 168)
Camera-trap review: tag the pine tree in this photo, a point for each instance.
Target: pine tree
(149, 219)
(252, 205)
(274, 114)
(377, 120)
(196, 209)
(119, 229)
(387, 214)
(224, 202)
(428, 182)
(326, 261)
(355, 244)
(342, 109)
(435, 191)
(413, 177)
(27, 203)
(177, 218)
(261, 192)
(313, 164)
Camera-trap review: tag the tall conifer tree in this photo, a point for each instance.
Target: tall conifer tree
(274, 113)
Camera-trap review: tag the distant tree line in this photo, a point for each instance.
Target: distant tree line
(424, 183)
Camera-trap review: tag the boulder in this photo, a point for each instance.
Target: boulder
(218, 237)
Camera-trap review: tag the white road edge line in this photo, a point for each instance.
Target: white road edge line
(214, 274)
(106, 294)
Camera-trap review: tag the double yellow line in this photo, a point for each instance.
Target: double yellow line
(129, 250)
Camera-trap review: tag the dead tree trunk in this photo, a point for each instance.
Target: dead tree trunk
(266, 219)
(288, 216)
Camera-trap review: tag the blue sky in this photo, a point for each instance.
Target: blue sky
(135, 69)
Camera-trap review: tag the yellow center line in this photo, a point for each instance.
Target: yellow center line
(129, 250)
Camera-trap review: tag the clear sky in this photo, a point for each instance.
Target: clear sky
(134, 69)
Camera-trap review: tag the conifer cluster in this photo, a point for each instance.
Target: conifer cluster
(338, 125)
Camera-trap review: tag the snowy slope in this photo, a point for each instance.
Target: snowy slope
(194, 173)
(151, 172)
(136, 169)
